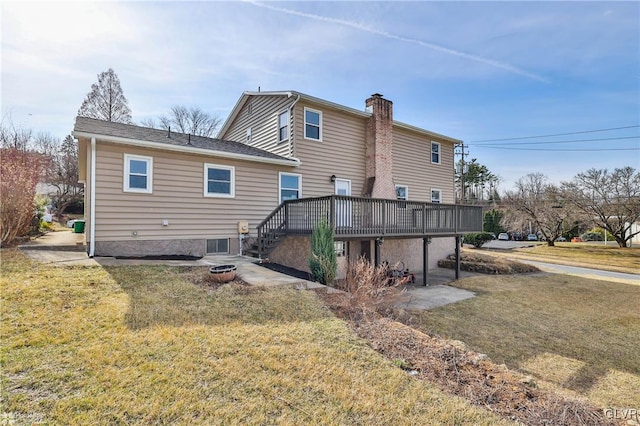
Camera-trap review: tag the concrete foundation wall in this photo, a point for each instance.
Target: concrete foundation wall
(293, 252)
(173, 247)
(410, 252)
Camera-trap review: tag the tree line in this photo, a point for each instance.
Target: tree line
(606, 199)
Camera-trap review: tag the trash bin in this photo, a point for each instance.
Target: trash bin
(78, 227)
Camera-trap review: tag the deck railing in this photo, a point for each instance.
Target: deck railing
(357, 217)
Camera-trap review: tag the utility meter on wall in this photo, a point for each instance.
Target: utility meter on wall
(243, 227)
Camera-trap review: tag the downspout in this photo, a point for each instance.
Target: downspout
(92, 202)
(293, 130)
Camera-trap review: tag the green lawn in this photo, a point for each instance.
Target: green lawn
(145, 345)
(572, 334)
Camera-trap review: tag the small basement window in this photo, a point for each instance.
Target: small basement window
(218, 246)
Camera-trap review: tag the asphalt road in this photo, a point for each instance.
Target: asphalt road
(584, 272)
(562, 269)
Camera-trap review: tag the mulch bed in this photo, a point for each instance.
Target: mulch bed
(161, 257)
(474, 377)
(287, 271)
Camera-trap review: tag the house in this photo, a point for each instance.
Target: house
(282, 162)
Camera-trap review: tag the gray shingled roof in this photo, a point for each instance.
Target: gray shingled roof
(129, 131)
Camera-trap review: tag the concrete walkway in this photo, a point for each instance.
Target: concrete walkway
(63, 248)
(437, 293)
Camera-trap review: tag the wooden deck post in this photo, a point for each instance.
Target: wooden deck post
(376, 253)
(457, 257)
(425, 260)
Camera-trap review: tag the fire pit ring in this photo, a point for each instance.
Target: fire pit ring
(224, 273)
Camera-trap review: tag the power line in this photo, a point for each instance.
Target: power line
(561, 150)
(568, 141)
(557, 134)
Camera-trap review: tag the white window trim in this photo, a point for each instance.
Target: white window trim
(440, 195)
(439, 152)
(288, 126)
(304, 119)
(125, 179)
(280, 174)
(232, 190)
(406, 192)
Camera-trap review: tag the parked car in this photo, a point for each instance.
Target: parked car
(532, 237)
(561, 239)
(503, 236)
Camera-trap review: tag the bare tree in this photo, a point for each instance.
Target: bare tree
(540, 203)
(610, 200)
(106, 100)
(62, 174)
(194, 121)
(13, 137)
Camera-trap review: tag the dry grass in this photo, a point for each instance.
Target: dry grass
(609, 258)
(370, 302)
(474, 262)
(570, 333)
(144, 345)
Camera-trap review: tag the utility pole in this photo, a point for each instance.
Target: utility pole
(461, 151)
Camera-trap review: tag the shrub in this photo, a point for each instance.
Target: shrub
(20, 171)
(370, 292)
(323, 262)
(477, 239)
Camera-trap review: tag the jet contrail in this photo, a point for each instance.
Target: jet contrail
(392, 36)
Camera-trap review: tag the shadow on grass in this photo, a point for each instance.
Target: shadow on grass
(170, 296)
(514, 319)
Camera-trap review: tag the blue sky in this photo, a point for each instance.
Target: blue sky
(471, 70)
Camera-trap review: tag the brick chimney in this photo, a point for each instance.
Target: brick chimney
(378, 149)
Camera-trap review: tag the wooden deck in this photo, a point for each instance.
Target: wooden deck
(368, 218)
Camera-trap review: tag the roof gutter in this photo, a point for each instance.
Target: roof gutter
(293, 121)
(291, 162)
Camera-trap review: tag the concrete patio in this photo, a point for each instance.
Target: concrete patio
(64, 248)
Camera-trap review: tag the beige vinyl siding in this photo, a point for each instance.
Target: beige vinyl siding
(340, 153)
(178, 196)
(412, 166)
(263, 122)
